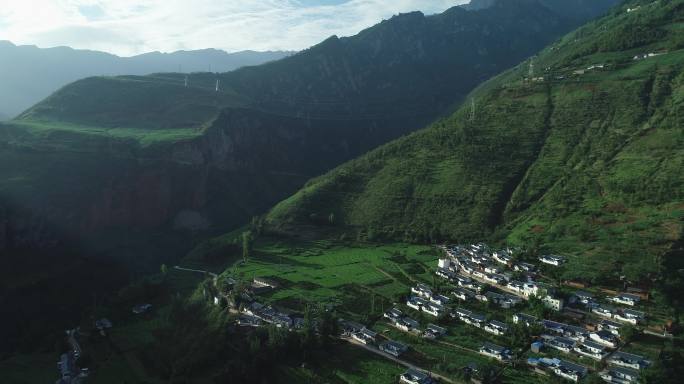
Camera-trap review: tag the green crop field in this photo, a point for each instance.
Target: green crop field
(328, 272)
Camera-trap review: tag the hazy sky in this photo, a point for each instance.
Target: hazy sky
(128, 27)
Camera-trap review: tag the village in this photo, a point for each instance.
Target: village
(584, 333)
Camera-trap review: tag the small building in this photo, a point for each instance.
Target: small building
(603, 311)
(496, 328)
(630, 316)
(393, 314)
(406, 324)
(562, 344)
(365, 336)
(537, 347)
(248, 321)
(626, 299)
(445, 274)
(554, 260)
(619, 375)
(502, 257)
(628, 360)
(66, 366)
(141, 308)
(552, 302)
(605, 338)
(416, 303)
(463, 294)
(444, 263)
(393, 348)
(263, 282)
(610, 326)
(583, 297)
(527, 320)
(591, 349)
(439, 300)
(413, 376)
(524, 267)
(422, 290)
(433, 309)
(570, 371)
(103, 324)
(434, 331)
(495, 351)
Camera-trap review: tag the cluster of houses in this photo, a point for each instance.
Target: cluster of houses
(476, 261)
(398, 319)
(598, 345)
(423, 299)
(494, 327)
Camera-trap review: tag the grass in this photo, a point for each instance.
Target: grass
(334, 273)
(30, 369)
(68, 132)
(346, 364)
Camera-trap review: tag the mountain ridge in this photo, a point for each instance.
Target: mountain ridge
(24, 68)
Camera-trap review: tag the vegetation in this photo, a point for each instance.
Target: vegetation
(585, 162)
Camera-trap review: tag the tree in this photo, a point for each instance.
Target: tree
(246, 245)
(656, 374)
(309, 331)
(627, 333)
(329, 326)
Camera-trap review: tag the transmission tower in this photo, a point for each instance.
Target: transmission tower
(472, 109)
(531, 72)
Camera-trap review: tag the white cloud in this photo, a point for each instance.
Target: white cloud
(129, 27)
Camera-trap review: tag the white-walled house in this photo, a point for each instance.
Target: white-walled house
(555, 303)
(626, 299)
(604, 338)
(495, 351)
(554, 260)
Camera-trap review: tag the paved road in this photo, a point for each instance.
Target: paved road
(195, 270)
(399, 361)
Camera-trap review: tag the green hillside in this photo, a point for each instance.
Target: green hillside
(170, 152)
(577, 151)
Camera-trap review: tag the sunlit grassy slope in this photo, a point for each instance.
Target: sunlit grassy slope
(585, 160)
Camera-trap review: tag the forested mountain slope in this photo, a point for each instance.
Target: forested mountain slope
(168, 152)
(578, 150)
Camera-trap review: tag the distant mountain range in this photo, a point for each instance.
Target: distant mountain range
(29, 74)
